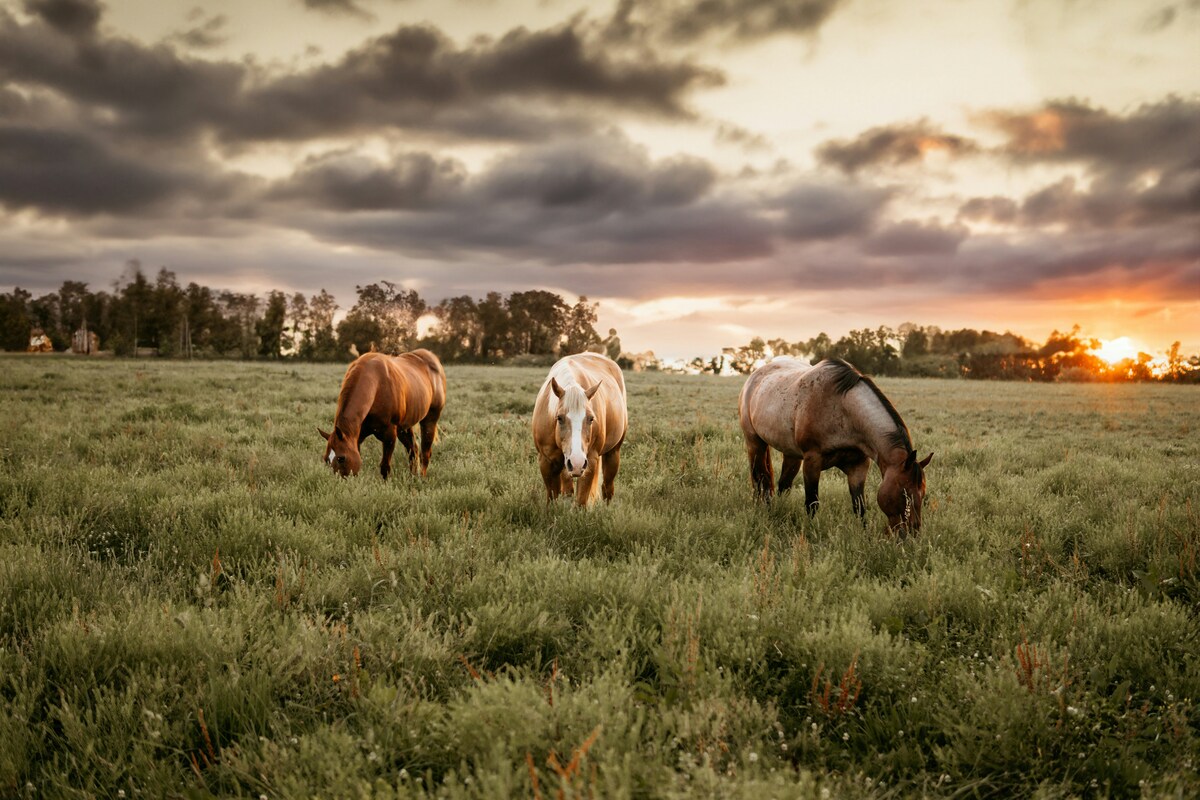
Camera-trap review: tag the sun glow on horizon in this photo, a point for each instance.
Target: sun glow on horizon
(1114, 351)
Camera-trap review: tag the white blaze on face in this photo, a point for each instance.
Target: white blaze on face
(573, 406)
(332, 455)
(576, 457)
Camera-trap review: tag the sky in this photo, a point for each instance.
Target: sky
(706, 171)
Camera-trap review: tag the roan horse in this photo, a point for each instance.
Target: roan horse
(385, 396)
(579, 423)
(830, 415)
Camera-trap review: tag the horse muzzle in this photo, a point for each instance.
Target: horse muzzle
(575, 465)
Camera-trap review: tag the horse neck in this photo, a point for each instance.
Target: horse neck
(876, 427)
(353, 404)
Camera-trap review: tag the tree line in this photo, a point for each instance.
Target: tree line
(928, 351)
(158, 315)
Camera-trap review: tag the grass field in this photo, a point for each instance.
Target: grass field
(190, 603)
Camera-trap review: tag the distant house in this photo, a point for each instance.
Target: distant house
(85, 342)
(39, 342)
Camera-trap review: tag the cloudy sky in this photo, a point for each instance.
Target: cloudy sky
(707, 170)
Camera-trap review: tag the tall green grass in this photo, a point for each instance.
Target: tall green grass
(190, 603)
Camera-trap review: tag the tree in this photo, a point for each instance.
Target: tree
(818, 347)
(72, 309)
(296, 331)
(131, 309)
(15, 319)
(323, 342)
(239, 331)
(360, 331)
(581, 327)
(914, 341)
(458, 329)
(494, 322)
(394, 310)
(1175, 363)
(537, 321)
(165, 314)
(270, 327)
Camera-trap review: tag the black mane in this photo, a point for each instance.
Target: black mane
(846, 377)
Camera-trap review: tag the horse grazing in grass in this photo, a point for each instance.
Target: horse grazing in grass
(385, 397)
(579, 423)
(830, 415)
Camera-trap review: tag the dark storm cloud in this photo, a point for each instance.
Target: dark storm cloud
(686, 22)
(1169, 257)
(524, 85)
(592, 201)
(599, 174)
(913, 238)
(416, 77)
(73, 17)
(830, 211)
(561, 61)
(1142, 169)
(892, 145)
(1174, 196)
(347, 182)
(63, 172)
(151, 91)
(1153, 136)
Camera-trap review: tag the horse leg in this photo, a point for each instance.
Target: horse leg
(612, 463)
(388, 437)
(787, 472)
(812, 477)
(551, 475)
(428, 437)
(856, 476)
(406, 439)
(761, 474)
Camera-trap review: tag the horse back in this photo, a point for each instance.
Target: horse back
(416, 388)
(794, 407)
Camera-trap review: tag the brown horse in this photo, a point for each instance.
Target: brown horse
(830, 415)
(385, 396)
(579, 423)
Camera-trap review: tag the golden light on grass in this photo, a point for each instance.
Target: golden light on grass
(1116, 350)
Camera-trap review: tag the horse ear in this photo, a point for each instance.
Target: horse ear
(590, 393)
(554, 387)
(324, 435)
(912, 459)
(925, 463)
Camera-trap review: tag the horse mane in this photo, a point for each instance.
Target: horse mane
(349, 384)
(846, 377)
(574, 400)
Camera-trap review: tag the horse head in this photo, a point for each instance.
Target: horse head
(341, 452)
(902, 492)
(573, 425)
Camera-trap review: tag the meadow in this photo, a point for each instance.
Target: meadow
(192, 604)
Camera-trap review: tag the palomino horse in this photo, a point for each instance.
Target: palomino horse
(385, 396)
(579, 422)
(830, 415)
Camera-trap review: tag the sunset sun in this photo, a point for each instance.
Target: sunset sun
(1116, 350)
